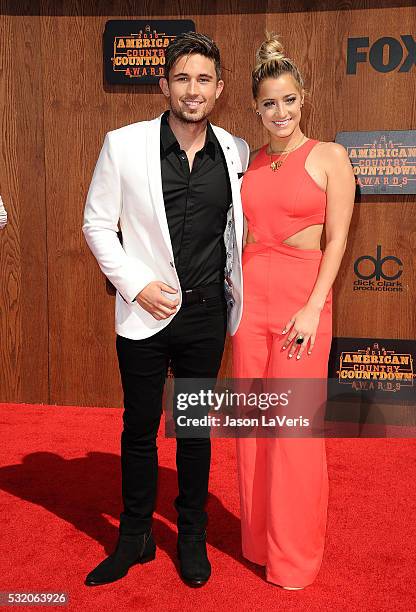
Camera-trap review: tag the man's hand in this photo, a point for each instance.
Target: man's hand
(153, 301)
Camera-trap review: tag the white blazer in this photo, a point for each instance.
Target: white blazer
(3, 215)
(126, 193)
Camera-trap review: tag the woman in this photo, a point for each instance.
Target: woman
(294, 189)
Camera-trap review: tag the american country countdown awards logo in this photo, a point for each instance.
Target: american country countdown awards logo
(134, 51)
(373, 365)
(383, 162)
(378, 273)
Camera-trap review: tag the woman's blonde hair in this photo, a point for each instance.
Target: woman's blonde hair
(271, 62)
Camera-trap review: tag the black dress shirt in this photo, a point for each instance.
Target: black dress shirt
(196, 204)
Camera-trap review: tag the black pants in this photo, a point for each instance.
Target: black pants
(193, 343)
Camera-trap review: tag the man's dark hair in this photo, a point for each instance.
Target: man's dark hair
(191, 43)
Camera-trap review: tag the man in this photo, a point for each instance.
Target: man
(172, 185)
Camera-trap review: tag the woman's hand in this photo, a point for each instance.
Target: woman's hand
(303, 324)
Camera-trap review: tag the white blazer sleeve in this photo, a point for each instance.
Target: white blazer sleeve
(243, 151)
(101, 216)
(3, 215)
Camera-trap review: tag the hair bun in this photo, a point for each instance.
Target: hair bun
(272, 62)
(270, 49)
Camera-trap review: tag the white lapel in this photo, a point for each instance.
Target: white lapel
(155, 178)
(233, 162)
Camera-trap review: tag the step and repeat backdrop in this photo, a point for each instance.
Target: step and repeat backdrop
(70, 74)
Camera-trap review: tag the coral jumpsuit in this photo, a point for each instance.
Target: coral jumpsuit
(283, 482)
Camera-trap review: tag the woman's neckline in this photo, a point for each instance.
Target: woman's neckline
(282, 153)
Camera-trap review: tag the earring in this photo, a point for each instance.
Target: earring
(257, 113)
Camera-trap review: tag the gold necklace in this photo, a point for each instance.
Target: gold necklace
(275, 165)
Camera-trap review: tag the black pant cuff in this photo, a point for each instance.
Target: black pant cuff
(130, 525)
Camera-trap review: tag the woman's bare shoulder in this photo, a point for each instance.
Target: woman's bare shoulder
(331, 148)
(331, 153)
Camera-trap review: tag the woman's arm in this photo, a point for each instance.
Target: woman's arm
(340, 194)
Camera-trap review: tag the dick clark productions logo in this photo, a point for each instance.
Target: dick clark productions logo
(378, 273)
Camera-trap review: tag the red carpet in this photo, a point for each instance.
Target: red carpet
(60, 500)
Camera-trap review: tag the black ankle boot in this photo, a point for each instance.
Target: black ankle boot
(131, 549)
(193, 560)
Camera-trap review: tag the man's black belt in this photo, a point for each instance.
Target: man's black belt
(201, 294)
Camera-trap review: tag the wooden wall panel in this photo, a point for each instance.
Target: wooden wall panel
(371, 100)
(67, 98)
(78, 112)
(23, 270)
(196, 7)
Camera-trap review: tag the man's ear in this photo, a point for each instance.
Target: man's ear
(164, 86)
(220, 87)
